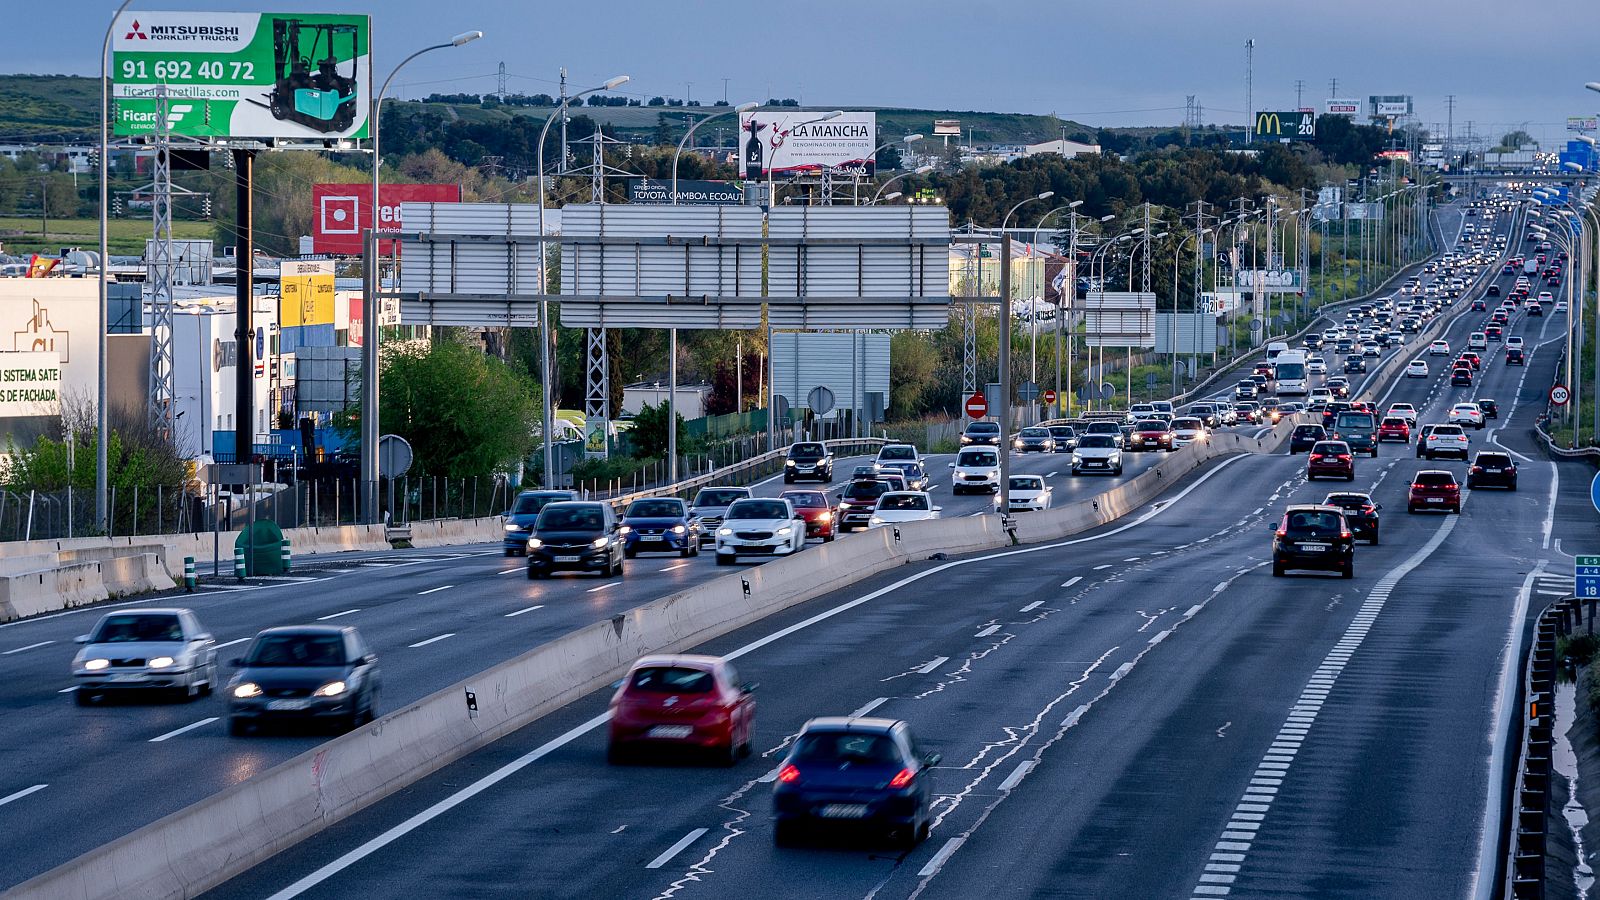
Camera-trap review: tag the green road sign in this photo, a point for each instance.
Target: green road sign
(294, 76)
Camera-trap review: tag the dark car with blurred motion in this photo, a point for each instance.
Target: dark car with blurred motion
(322, 673)
(1360, 512)
(856, 773)
(524, 511)
(1304, 437)
(660, 524)
(1316, 537)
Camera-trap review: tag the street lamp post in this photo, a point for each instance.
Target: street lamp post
(919, 170)
(372, 281)
(102, 406)
(1069, 273)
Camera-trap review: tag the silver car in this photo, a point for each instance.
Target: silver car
(162, 650)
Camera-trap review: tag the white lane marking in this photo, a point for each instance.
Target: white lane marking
(1051, 474)
(442, 587)
(443, 806)
(1132, 559)
(67, 690)
(231, 643)
(609, 584)
(937, 662)
(28, 647)
(1098, 568)
(1550, 511)
(942, 857)
(1032, 606)
(509, 571)
(1504, 702)
(336, 615)
(22, 793)
(433, 640)
(988, 631)
(187, 728)
(1017, 774)
(869, 707)
(1072, 581)
(675, 849)
(674, 567)
(525, 609)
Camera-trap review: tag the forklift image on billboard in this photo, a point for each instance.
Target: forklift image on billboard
(310, 88)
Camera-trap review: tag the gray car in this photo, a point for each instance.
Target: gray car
(710, 505)
(157, 650)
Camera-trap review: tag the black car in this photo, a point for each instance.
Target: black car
(304, 672)
(1313, 536)
(1460, 376)
(914, 472)
(577, 536)
(981, 433)
(1304, 437)
(1358, 429)
(1492, 468)
(1360, 511)
(1491, 409)
(1494, 291)
(1355, 363)
(1515, 357)
(849, 772)
(1066, 437)
(808, 459)
(524, 512)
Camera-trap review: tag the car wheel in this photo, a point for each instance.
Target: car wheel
(728, 756)
(1118, 471)
(686, 552)
(510, 552)
(617, 754)
(532, 573)
(726, 559)
(1277, 570)
(82, 697)
(1349, 570)
(1456, 509)
(1410, 508)
(788, 479)
(1350, 477)
(621, 570)
(827, 539)
(785, 833)
(1373, 540)
(1513, 484)
(237, 727)
(629, 553)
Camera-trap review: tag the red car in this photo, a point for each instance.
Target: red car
(1394, 428)
(1471, 356)
(813, 506)
(1434, 489)
(682, 702)
(1331, 459)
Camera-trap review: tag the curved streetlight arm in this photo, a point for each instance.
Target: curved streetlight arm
(920, 170)
(684, 141)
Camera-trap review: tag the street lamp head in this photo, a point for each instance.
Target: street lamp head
(1074, 204)
(746, 106)
(892, 195)
(922, 170)
(1105, 218)
(1161, 235)
(614, 83)
(1588, 139)
(1139, 230)
(832, 115)
(1045, 196)
(1593, 85)
(912, 138)
(1572, 166)
(465, 37)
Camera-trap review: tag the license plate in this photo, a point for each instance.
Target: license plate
(1435, 499)
(568, 558)
(1094, 465)
(126, 678)
(1316, 548)
(671, 731)
(1494, 471)
(286, 704)
(843, 811)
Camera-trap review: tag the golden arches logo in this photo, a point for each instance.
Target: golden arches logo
(1269, 123)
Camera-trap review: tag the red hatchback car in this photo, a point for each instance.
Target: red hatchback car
(1331, 459)
(1394, 428)
(813, 506)
(682, 702)
(1434, 489)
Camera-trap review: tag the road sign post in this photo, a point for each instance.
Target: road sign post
(1559, 395)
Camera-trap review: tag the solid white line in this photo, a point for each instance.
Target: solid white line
(1106, 566)
(177, 731)
(432, 640)
(231, 643)
(675, 849)
(869, 707)
(988, 631)
(1017, 774)
(509, 571)
(1072, 581)
(937, 662)
(609, 584)
(942, 857)
(1550, 512)
(525, 609)
(336, 615)
(22, 793)
(442, 587)
(674, 566)
(29, 647)
(1032, 606)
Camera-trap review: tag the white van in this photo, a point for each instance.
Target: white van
(1290, 374)
(1274, 348)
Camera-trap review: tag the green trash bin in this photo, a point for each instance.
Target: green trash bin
(263, 549)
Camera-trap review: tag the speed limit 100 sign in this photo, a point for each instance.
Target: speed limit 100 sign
(1559, 395)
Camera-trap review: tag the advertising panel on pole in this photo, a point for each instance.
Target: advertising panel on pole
(950, 127)
(1389, 106)
(59, 316)
(1219, 303)
(659, 190)
(1342, 107)
(1271, 281)
(342, 211)
(795, 142)
(292, 76)
(1295, 125)
(30, 384)
(1186, 332)
(1583, 124)
(1119, 319)
(306, 293)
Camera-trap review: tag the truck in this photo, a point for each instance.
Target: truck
(1530, 267)
(1290, 375)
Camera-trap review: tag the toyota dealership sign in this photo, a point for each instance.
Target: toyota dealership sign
(341, 211)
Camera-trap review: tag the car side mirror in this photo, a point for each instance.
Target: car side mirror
(81, 639)
(370, 658)
(749, 687)
(952, 465)
(1377, 506)
(938, 509)
(202, 637)
(237, 662)
(931, 759)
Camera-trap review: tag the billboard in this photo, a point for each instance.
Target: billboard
(1391, 106)
(651, 190)
(30, 384)
(341, 211)
(1287, 126)
(305, 289)
(1119, 319)
(59, 316)
(242, 75)
(950, 127)
(1349, 106)
(799, 143)
(1583, 124)
(1271, 281)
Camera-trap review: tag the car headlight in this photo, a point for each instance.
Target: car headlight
(825, 516)
(331, 689)
(159, 662)
(534, 543)
(624, 529)
(600, 542)
(247, 690)
(785, 529)
(789, 463)
(876, 521)
(679, 529)
(510, 527)
(95, 665)
(724, 532)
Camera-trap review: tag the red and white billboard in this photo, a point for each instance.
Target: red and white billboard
(341, 211)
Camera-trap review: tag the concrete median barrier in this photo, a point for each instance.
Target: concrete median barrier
(61, 587)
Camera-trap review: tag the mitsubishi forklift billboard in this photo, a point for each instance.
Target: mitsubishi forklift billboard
(297, 76)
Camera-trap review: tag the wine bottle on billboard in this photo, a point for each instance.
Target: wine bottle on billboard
(753, 153)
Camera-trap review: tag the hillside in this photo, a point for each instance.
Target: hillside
(54, 107)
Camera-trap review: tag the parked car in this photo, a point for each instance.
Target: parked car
(759, 526)
(156, 650)
(305, 672)
(681, 702)
(808, 459)
(1315, 537)
(854, 771)
(814, 508)
(659, 524)
(576, 536)
(524, 512)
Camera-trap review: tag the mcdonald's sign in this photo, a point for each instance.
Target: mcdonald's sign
(1299, 125)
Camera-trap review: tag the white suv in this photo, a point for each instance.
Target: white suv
(1477, 341)
(763, 526)
(1466, 414)
(976, 469)
(1445, 440)
(1405, 411)
(1439, 348)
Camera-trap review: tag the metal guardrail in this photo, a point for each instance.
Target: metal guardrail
(762, 464)
(1527, 830)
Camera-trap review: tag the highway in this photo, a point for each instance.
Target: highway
(1138, 711)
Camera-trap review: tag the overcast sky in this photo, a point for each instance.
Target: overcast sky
(1509, 65)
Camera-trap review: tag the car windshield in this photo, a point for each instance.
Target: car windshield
(1309, 430)
(1027, 483)
(1186, 424)
(1348, 501)
(1434, 479)
(846, 747)
(719, 496)
(586, 517)
(672, 680)
(1448, 431)
(530, 504)
(130, 628)
(1394, 422)
(978, 458)
(1092, 441)
(1103, 428)
(1316, 522)
(899, 451)
(1062, 431)
(806, 500)
(1334, 447)
(1034, 433)
(865, 490)
(758, 509)
(903, 501)
(807, 451)
(1151, 425)
(1354, 421)
(1492, 459)
(655, 509)
(297, 650)
(984, 428)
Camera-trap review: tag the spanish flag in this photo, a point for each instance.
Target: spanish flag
(39, 267)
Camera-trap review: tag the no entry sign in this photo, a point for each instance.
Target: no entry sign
(977, 405)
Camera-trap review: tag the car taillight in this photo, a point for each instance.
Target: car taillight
(1345, 534)
(1368, 510)
(1477, 468)
(900, 780)
(789, 774)
(1315, 457)
(1344, 456)
(1281, 533)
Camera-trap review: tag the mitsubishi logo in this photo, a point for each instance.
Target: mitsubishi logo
(136, 34)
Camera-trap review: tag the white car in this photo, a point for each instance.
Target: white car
(1316, 365)
(759, 526)
(895, 453)
(1514, 341)
(154, 650)
(1028, 493)
(976, 469)
(895, 507)
(1371, 348)
(1445, 440)
(1477, 341)
(1466, 414)
(1417, 369)
(1097, 453)
(1545, 297)
(1561, 306)
(1187, 431)
(1439, 348)
(1404, 411)
(1138, 411)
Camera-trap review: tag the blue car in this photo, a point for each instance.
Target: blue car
(660, 523)
(524, 510)
(864, 772)
(916, 474)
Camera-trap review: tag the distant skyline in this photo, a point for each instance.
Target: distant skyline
(1508, 67)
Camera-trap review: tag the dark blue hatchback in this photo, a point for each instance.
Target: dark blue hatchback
(524, 511)
(846, 772)
(660, 523)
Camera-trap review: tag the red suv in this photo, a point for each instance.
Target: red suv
(1329, 459)
(682, 702)
(1434, 489)
(1394, 428)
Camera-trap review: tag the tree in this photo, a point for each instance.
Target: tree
(649, 432)
(1515, 140)
(464, 413)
